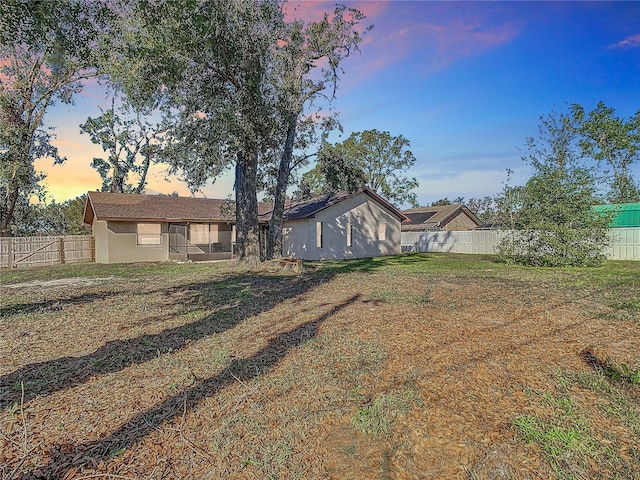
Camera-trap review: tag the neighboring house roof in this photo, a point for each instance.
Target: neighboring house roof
(626, 214)
(309, 208)
(435, 217)
(158, 208)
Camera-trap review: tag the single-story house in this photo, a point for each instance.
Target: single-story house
(442, 217)
(142, 228)
(342, 225)
(133, 228)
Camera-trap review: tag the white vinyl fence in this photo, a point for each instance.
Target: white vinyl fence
(625, 242)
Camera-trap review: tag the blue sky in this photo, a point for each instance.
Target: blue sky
(465, 82)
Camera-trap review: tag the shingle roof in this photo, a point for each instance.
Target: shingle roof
(308, 208)
(159, 208)
(128, 207)
(434, 217)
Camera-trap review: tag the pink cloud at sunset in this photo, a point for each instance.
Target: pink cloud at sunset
(313, 11)
(632, 41)
(441, 40)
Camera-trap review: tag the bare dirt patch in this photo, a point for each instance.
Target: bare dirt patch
(376, 374)
(60, 282)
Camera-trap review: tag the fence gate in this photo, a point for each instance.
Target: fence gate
(33, 251)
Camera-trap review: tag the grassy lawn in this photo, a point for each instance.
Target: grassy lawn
(416, 366)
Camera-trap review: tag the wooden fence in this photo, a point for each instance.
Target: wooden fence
(625, 242)
(31, 251)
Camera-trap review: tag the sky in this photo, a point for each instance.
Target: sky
(464, 82)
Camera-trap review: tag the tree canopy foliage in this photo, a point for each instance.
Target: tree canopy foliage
(131, 140)
(47, 48)
(550, 218)
(371, 159)
(614, 143)
(212, 65)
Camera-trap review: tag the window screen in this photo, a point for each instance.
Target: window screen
(213, 233)
(149, 234)
(199, 233)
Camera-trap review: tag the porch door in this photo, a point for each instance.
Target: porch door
(178, 238)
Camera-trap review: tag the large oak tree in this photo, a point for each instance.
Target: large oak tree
(308, 61)
(212, 63)
(46, 50)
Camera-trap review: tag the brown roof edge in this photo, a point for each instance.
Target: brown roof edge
(88, 206)
(94, 209)
(337, 197)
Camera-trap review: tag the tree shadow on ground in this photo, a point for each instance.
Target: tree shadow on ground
(228, 302)
(53, 305)
(239, 371)
(365, 265)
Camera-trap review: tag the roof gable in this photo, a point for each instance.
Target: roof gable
(309, 208)
(437, 216)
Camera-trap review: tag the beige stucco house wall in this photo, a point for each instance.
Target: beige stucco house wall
(117, 242)
(151, 228)
(356, 227)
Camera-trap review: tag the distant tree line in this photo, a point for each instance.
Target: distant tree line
(51, 218)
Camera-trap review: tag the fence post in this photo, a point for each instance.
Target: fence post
(92, 246)
(10, 254)
(61, 249)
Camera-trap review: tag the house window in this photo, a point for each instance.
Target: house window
(199, 233)
(214, 236)
(382, 232)
(319, 234)
(348, 234)
(149, 234)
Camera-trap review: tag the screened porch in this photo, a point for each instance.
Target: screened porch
(200, 242)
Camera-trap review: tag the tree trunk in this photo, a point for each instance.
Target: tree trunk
(247, 227)
(21, 176)
(6, 213)
(274, 240)
(117, 179)
(144, 169)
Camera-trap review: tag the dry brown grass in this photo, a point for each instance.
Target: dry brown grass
(382, 370)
